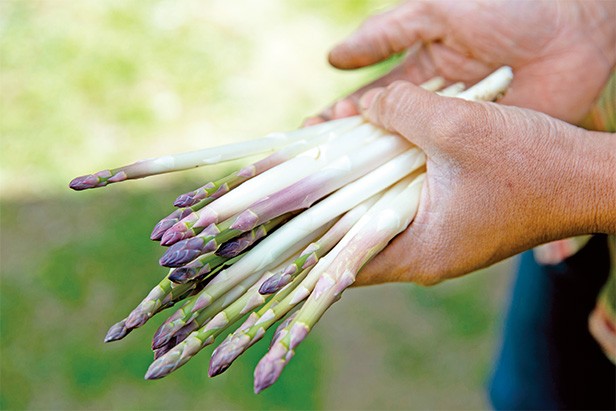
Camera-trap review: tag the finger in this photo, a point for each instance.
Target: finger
(417, 69)
(455, 65)
(386, 34)
(420, 116)
(311, 121)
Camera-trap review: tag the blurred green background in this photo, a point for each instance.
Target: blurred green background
(89, 84)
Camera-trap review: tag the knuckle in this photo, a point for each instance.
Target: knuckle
(392, 104)
(462, 123)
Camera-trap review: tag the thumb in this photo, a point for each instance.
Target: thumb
(422, 117)
(385, 34)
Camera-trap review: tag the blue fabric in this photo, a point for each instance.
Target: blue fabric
(548, 359)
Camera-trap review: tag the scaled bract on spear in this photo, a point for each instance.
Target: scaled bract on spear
(278, 240)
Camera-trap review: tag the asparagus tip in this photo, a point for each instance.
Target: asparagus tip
(157, 370)
(84, 182)
(176, 357)
(176, 234)
(267, 372)
(185, 200)
(247, 220)
(182, 274)
(163, 335)
(117, 331)
(182, 252)
(227, 352)
(100, 179)
(160, 229)
(274, 283)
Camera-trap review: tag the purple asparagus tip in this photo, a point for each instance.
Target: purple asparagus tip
(84, 182)
(227, 352)
(182, 252)
(269, 369)
(117, 332)
(247, 220)
(137, 318)
(173, 235)
(186, 200)
(163, 335)
(161, 228)
(100, 179)
(271, 365)
(164, 349)
(229, 249)
(159, 368)
(175, 358)
(183, 274)
(274, 283)
(166, 223)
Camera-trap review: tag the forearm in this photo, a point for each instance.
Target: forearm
(585, 193)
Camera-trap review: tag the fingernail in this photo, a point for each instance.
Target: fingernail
(368, 98)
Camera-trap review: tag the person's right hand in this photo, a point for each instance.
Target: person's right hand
(562, 52)
(499, 180)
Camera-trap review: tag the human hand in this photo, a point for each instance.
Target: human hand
(499, 180)
(561, 52)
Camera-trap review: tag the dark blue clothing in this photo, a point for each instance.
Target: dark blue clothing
(548, 358)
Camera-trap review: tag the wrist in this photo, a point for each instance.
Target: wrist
(599, 173)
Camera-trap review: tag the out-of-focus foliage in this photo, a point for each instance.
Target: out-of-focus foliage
(88, 84)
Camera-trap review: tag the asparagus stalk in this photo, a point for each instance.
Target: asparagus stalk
(166, 223)
(222, 186)
(490, 88)
(200, 266)
(311, 255)
(184, 161)
(262, 257)
(452, 90)
(153, 301)
(370, 239)
(305, 192)
(253, 261)
(163, 295)
(169, 329)
(170, 360)
(239, 244)
(433, 84)
(286, 299)
(176, 216)
(187, 250)
(269, 182)
(253, 329)
(294, 232)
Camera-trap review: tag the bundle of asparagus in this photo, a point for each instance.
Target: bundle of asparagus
(279, 239)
